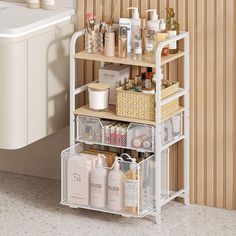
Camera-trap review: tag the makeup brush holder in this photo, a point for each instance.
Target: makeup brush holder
(93, 41)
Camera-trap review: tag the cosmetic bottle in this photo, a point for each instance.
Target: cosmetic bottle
(127, 23)
(162, 25)
(131, 189)
(143, 79)
(122, 43)
(143, 32)
(172, 28)
(135, 23)
(137, 47)
(34, 4)
(109, 49)
(48, 4)
(150, 46)
(115, 194)
(153, 23)
(98, 183)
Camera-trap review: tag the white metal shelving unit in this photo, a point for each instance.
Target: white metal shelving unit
(184, 92)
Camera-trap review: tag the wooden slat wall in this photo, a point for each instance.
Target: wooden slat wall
(213, 101)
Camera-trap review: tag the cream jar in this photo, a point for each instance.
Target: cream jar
(98, 96)
(48, 4)
(34, 4)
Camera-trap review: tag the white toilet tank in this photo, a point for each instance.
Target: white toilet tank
(34, 73)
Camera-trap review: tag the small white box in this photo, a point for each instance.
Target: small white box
(114, 75)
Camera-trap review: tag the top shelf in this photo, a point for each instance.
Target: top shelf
(129, 60)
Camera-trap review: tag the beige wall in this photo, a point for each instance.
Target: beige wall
(213, 104)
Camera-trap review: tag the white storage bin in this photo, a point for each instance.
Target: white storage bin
(136, 191)
(172, 128)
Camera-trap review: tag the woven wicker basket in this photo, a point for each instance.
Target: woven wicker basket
(141, 105)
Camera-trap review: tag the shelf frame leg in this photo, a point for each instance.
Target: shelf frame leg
(158, 137)
(73, 73)
(186, 120)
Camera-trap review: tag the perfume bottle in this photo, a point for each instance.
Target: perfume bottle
(122, 43)
(172, 28)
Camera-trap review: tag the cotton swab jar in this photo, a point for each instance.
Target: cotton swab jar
(98, 96)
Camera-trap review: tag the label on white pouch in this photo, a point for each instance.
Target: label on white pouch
(131, 193)
(171, 34)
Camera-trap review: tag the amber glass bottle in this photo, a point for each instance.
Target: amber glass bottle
(172, 28)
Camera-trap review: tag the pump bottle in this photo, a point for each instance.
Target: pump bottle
(135, 24)
(116, 188)
(98, 183)
(153, 23)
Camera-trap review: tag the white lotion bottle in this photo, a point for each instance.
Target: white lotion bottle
(34, 4)
(98, 184)
(116, 188)
(153, 23)
(135, 23)
(48, 4)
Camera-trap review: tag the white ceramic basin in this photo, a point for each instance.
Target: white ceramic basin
(16, 19)
(34, 72)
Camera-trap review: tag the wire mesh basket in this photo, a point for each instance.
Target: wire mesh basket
(132, 194)
(172, 128)
(140, 137)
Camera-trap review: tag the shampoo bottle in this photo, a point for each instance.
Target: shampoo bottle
(98, 183)
(116, 187)
(131, 189)
(153, 23)
(135, 23)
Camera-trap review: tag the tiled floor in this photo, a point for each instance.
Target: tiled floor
(30, 206)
